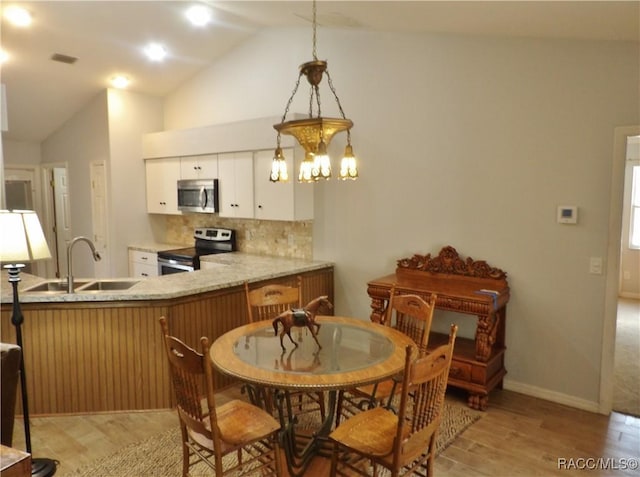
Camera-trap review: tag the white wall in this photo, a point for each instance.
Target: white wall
(130, 116)
(464, 141)
(21, 153)
(109, 128)
(81, 140)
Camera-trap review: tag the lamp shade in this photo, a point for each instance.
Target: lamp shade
(21, 237)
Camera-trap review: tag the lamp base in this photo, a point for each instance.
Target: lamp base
(43, 467)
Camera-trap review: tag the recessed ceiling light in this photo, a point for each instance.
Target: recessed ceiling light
(120, 82)
(155, 52)
(198, 15)
(18, 16)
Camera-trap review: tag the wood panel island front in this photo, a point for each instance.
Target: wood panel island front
(102, 351)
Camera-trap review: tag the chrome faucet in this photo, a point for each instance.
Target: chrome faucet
(96, 257)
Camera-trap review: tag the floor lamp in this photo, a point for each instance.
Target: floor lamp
(22, 240)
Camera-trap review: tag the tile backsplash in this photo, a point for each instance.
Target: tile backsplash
(261, 237)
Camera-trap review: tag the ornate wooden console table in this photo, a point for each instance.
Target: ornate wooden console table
(464, 286)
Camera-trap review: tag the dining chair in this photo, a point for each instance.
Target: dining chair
(410, 314)
(232, 438)
(266, 303)
(404, 442)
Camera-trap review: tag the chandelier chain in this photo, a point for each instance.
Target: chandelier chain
(333, 90)
(315, 55)
(295, 90)
(317, 88)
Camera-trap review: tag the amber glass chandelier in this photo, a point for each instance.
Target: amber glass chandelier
(314, 133)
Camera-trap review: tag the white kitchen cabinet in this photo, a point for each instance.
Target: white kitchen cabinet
(281, 200)
(143, 264)
(199, 167)
(235, 184)
(162, 193)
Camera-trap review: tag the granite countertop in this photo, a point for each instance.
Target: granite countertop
(154, 247)
(230, 269)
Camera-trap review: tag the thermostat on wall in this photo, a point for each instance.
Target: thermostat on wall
(567, 214)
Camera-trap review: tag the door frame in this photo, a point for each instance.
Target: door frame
(53, 267)
(40, 267)
(619, 158)
(103, 267)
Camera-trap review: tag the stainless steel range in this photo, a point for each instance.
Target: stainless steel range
(208, 241)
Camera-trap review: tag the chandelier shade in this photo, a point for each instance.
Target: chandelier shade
(315, 132)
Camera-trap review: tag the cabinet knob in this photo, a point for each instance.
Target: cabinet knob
(259, 207)
(144, 274)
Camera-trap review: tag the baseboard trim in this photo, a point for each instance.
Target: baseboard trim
(552, 396)
(635, 296)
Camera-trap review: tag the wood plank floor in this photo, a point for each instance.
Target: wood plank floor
(517, 436)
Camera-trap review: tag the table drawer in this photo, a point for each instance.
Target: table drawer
(460, 371)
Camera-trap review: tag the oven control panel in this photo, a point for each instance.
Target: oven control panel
(213, 234)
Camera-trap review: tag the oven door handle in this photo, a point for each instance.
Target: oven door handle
(174, 264)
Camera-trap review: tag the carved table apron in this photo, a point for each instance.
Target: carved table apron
(462, 286)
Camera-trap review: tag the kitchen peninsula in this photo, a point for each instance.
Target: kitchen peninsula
(102, 351)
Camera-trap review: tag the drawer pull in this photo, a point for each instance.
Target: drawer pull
(455, 371)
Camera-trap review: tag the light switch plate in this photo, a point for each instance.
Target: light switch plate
(567, 214)
(595, 265)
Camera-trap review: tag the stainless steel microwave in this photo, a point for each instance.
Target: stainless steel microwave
(198, 195)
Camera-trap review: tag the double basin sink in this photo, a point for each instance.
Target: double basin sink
(82, 286)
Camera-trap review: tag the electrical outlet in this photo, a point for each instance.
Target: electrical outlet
(292, 240)
(626, 275)
(595, 265)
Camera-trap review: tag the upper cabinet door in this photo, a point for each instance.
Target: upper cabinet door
(235, 184)
(199, 167)
(162, 185)
(273, 200)
(281, 200)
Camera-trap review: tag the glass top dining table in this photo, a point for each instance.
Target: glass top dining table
(353, 352)
(349, 353)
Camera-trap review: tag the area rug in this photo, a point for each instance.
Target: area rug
(161, 455)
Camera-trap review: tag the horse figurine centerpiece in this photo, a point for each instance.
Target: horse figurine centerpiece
(302, 317)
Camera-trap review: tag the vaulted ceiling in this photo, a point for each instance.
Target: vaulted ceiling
(106, 37)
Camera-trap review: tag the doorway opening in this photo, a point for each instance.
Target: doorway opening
(21, 185)
(626, 372)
